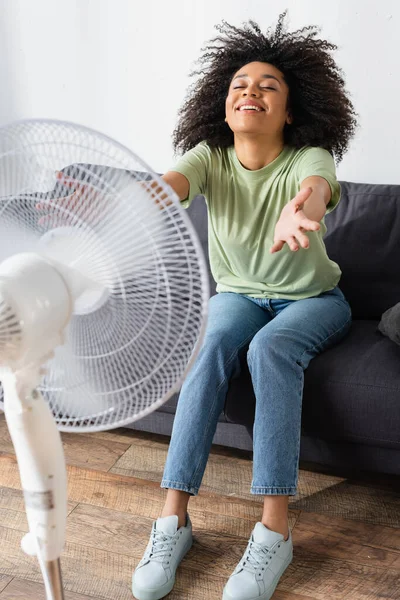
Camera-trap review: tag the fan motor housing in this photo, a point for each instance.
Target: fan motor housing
(35, 307)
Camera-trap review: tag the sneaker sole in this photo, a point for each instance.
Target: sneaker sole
(270, 591)
(158, 593)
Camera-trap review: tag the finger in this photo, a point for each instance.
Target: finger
(75, 185)
(47, 205)
(65, 202)
(57, 202)
(62, 176)
(43, 220)
(293, 245)
(68, 181)
(309, 225)
(49, 220)
(54, 221)
(277, 246)
(303, 240)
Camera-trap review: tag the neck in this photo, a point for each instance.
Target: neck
(255, 153)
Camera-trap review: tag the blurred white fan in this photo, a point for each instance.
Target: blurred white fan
(102, 304)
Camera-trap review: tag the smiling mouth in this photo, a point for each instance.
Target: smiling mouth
(250, 108)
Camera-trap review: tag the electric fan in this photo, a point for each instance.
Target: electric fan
(102, 304)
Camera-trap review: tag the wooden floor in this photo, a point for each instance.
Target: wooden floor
(346, 531)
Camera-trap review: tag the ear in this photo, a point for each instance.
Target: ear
(289, 118)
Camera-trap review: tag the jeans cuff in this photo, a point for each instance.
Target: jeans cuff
(178, 485)
(273, 490)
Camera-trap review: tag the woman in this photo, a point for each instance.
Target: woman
(258, 129)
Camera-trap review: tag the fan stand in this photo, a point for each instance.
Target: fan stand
(51, 570)
(119, 252)
(40, 456)
(52, 578)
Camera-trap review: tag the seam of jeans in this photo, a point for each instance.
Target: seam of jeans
(168, 483)
(300, 406)
(174, 482)
(299, 362)
(275, 493)
(225, 379)
(270, 488)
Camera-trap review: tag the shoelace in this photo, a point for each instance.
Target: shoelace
(255, 557)
(161, 544)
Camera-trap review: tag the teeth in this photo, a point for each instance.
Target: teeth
(249, 107)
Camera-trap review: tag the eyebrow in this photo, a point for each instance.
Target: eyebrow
(265, 76)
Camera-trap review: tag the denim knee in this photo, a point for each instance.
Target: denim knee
(275, 346)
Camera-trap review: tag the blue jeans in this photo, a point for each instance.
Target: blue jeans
(280, 338)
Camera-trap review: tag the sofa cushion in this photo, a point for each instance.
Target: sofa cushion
(390, 323)
(363, 238)
(351, 392)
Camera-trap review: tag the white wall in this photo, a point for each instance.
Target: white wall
(121, 66)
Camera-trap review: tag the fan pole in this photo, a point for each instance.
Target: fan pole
(51, 572)
(41, 463)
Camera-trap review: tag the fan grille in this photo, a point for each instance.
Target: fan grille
(127, 231)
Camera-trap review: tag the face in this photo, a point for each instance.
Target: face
(257, 101)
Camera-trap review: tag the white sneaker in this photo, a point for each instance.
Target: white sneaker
(154, 577)
(265, 559)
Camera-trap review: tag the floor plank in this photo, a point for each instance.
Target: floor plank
(324, 578)
(20, 589)
(4, 581)
(385, 539)
(12, 499)
(351, 500)
(81, 450)
(327, 543)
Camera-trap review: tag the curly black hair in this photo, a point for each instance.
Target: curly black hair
(322, 112)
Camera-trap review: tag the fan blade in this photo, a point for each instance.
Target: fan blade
(73, 396)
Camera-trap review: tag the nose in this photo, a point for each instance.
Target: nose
(251, 90)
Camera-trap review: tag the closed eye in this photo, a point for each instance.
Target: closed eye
(263, 87)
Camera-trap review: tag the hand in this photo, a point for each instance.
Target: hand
(293, 223)
(89, 204)
(65, 209)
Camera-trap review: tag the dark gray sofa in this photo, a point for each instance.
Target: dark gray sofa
(351, 402)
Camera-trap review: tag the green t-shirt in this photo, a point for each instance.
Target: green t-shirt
(243, 209)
